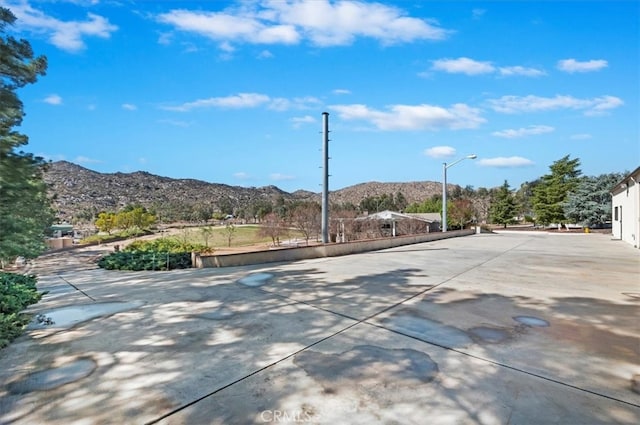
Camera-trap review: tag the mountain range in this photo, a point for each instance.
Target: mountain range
(79, 193)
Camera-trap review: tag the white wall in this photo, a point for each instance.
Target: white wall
(626, 203)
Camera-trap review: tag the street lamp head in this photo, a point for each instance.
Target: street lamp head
(472, 156)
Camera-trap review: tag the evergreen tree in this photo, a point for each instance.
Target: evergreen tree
(590, 203)
(503, 207)
(550, 195)
(524, 197)
(25, 210)
(400, 202)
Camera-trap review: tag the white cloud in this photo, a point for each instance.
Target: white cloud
(85, 160)
(463, 66)
(283, 104)
(413, 117)
(572, 65)
(281, 177)
(518, 104)
(225, 26)
(470, 66)
(298, 121)
(53, 99)
(238, 101)
(509, 71)
(341, 91)
(265, 54)
(129, 106)
(478, 13)
(248, 100)
(440, 152)
(581, 136)
(177, 123)
(523, 132)
(506, 162)
(142, 160)
(66, 35)
(242, 175)
(165, 38)
(227, 47)
(602, 105)
(321, 22)
(55, 157)
(84, 2)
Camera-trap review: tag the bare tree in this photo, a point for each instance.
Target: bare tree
(206, 233)
(272, 227)
(342, 223)
(411, 226)
(370, 229)
(306, 218)
(229, 232)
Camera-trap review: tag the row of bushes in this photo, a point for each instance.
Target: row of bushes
(156, 254)
(138, 260)
(16, 293)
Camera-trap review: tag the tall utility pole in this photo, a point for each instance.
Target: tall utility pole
(325, 177)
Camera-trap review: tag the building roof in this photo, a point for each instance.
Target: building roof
(62, 227)
(430, 217)
(392, 215)
(624, 183)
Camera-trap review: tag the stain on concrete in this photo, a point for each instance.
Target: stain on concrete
(255, 279)
(428, 330)
(67, 317)
(599, 340)
(635, 383)
(531, 321)
(53, 378)
(369, 368)
(221, 313)
(487, 334)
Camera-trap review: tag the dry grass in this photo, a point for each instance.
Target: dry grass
(243, 236)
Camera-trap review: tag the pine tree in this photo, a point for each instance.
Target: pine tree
(590, 203)
(550, 195)
(503, 206)
(25, 212)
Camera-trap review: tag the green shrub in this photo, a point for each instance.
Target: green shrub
(145, 260)
(172, 245)
(16, 293)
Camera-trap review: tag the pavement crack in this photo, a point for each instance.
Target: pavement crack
(76, 288)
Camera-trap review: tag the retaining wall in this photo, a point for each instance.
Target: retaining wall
(318, 251)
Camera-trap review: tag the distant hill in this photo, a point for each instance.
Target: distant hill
(79, 193)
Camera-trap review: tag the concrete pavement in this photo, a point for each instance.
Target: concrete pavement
(487, 329)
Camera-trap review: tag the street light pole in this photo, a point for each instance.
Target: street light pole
(444, 196)
(444, 187)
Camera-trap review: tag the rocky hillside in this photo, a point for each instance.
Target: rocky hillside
(412, 191)
(79, 193)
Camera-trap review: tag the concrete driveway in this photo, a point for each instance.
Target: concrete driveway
(486, 329)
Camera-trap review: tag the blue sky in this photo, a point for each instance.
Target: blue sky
(233, 91)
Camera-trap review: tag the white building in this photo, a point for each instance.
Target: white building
(625, 204)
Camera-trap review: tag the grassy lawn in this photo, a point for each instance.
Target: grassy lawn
(241, 236)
